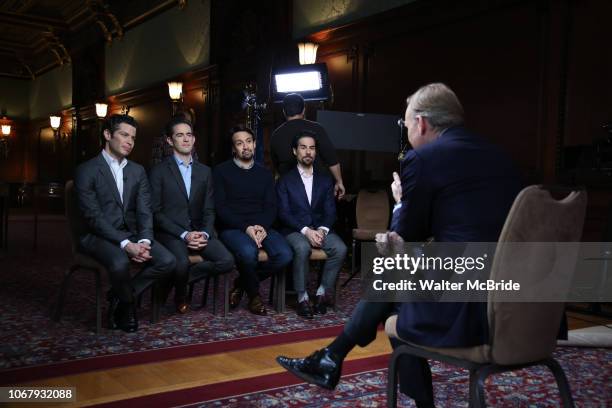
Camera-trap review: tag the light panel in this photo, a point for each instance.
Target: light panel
(298, 82)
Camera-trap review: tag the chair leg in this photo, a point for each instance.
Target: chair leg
(271, 296)
(98, 302)
(190, 293)
(477, 383)
(155, 307)
(392, 380)
(280, 291)
(353, 269)
(205, 291)
(562, 383)
(226, 289)
(215, 287)
(57, 315)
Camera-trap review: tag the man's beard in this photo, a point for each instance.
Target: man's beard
(246, 155)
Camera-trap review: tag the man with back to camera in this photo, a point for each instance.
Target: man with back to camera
(283, 159)
(114, 199)
(307, 212)
(245, 200)
(455, 187)
(184, 211)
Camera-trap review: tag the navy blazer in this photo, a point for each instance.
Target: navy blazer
(294, 212)
(458, 188)
(174, 213)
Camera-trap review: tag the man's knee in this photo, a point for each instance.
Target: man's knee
(246, 255)
(119, 267)
(301, 248)
(225, 264)
(165, 262)
(283, 256)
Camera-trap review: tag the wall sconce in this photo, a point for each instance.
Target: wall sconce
(308, 52)
(175, 89)
(54, 121)
(101, 110)
(4, 140)
(59, 137)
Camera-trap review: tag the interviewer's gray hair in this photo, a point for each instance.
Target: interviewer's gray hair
(438, 104)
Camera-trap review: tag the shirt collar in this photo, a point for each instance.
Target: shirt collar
(303, 172)
(180, 162)
(242, 166)
(111, 160)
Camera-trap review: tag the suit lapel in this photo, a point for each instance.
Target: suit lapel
(177, 175)
(128, 182)
(300, 182)
(108, 176)
(315, 189)
(195, 178)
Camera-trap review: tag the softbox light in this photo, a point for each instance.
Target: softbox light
(310, 81)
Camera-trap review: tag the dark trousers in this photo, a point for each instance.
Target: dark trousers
(245, 251)
(217, 260)
(117, 263)
(414, 372)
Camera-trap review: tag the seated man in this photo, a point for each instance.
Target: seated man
(183, 206)
(246, 208)
(281, 141)
(455, 187)
(307, 211)
(114, 199)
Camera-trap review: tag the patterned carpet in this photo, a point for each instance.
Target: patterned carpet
(29, 337)
(364, 385)
(589, 373)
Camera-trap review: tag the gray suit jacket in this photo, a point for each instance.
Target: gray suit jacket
(101, 207)
(174, 213)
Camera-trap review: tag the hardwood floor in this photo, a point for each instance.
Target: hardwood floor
(139, 380)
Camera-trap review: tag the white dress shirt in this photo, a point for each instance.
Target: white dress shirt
(307, 178)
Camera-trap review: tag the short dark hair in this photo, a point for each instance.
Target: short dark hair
(240, 128)
(112, 124)
(303, 133)
(176, 120)
(293, 104)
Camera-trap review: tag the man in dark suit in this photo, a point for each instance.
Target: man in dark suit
(307, 212)
(454, 187)
(114, 199)
(184, 214)
(281, 141)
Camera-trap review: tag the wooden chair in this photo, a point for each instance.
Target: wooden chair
(193, 280)
(316, 256)
(372, 216)
(81, 261)
(522, 334)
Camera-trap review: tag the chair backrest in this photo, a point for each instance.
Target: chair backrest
(76, 224)
(526, 332)
(372, 210)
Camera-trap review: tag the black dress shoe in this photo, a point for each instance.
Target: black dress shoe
(125, 317)
(321, 304)
(322, 368)
(304, 309)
